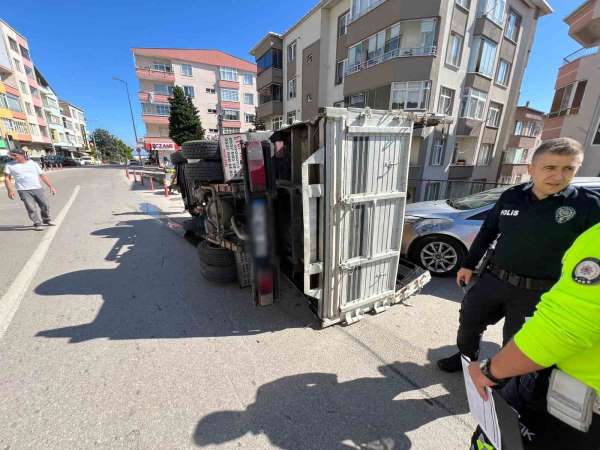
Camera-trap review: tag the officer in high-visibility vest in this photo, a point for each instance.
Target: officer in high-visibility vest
(560, 342)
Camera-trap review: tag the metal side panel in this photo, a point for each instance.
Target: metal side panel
(366, 174)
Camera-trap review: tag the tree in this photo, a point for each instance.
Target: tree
(184, 123)
(110, 147)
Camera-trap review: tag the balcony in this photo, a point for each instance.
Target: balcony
(269, 76)
(584, 23)
(231, 124)
(396, 53)
(581, 53)
(521, 141)
(150, 97)
(460, 170)
(516, 156)
(271, 108)
(145, 73)
(155, 119)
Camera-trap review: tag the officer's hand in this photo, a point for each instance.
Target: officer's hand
(464, 275)
(53, 190)
(479, 380)
(12, 195)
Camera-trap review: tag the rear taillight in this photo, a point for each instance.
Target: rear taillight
(256, 167)
(265, 282)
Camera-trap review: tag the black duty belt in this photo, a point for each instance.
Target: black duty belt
(531, 284)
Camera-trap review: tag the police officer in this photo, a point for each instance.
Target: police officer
(534, 224)
(564, 332)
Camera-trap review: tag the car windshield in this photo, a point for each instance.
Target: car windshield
(478, 200)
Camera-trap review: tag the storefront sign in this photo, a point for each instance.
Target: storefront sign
(162, 146)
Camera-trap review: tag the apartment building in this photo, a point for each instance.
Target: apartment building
(462, 58)
(525, 137)
(575, 110)
(22, 120)
(73, 119)
(222, 87)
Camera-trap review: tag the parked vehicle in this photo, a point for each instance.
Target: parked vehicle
(71, 162)
(438, 234)
(318, 203)
(133, 162)
(86, 161)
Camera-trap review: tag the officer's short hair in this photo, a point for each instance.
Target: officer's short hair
(559, 146)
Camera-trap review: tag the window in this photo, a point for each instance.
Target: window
(249, 118)
(163, 110)
(210, 90)
(360, 7)
(309, 58)
(565, 102)
(230, 95)
(23, 87)
(271, 93)
(531, 129)
(277, 122)
(189, 91)
(437, 152)
(13, 44)
(494, 114)
(38, 112)
(432, 191)
(213, 130)
(339, 72)
(229, 74)
(473, 104)
(11, 102)
(464, 3)
(248, 99)
(18, 65)
(163, 89)
(162, 67)
(248, 79)
(483, 57)
(29, 108)
(186, 69)
(493, 10)
(24, 52)
(446, 101)
(230, 130)
(156, 109)
(485, 154)
(291, 52)
(291, 117)
(28, 71)
(272, 58)
(503, 73)
(35, 131)
(292, 88)
(454, 51)
(231, 114)
(410, 95)
(578, 97)
(343, 23)
(596, 140)
(513, 23)
(34, 91)
(212, 110)
(357, 100)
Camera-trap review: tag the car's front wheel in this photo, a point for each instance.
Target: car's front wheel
(441, 255)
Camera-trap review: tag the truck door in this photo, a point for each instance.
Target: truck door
(354, 211)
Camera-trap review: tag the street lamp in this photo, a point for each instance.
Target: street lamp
(131, 112)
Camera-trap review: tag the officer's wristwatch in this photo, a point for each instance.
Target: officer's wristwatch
(485, 367)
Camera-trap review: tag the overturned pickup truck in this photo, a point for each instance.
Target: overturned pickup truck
(319, 204)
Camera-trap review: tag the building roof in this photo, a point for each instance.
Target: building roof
(533, 110)
(266, 36)
(203, 56)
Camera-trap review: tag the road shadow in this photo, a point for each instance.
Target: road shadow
(444, 288)
(16, 228)
(317, 411)
(156, 291)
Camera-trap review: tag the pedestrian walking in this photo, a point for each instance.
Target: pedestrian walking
(556, 356)
(27, 176)
(533, 225)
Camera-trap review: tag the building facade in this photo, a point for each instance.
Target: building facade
(575, 110)
(73, 119)
(525, 137)
(222, 87)
(462, 58)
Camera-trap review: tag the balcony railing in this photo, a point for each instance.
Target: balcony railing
(580, 54)
(396, 53)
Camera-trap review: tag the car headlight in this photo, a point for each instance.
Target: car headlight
(412, 219)
(432, 225)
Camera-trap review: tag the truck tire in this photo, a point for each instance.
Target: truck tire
(215, 256)
(218, 274)
(208, 150)
(204, 171)
(177, 158)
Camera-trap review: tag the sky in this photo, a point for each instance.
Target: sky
(79, 45)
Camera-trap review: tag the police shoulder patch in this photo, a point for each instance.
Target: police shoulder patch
(587, 271)
(564, 214)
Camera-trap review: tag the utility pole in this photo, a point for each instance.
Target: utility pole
(131, 112)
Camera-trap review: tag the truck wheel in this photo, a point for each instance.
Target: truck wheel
(218, 274)
(177, 158)
(441, 255)
(204, 171)
(208, 150)
(215, 256)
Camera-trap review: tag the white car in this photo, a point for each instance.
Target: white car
(85, 161)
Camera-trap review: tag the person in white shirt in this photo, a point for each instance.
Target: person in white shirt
(27, 176)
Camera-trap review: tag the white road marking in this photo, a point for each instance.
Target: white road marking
(10, 302)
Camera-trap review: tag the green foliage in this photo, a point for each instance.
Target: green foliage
(184, 123)
(110, 147)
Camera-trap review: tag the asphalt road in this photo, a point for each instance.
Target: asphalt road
(116, 341)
